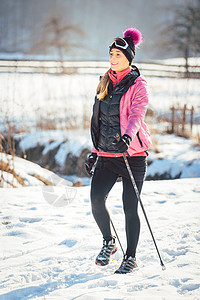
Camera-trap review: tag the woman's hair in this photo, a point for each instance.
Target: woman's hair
(102, 88)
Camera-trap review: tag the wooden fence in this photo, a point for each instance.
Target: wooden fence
(179, 117)
(94, 67)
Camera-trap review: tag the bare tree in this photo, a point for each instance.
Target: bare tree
(56, 37)
(183, 31)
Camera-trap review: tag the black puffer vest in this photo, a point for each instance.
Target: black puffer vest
(106, 114)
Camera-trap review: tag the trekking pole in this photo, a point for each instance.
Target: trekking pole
(117, 237)
(117, 137)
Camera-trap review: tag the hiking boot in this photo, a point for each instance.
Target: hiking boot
(109, 248)
(127, 266)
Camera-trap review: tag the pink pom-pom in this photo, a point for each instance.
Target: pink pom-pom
(134, 35)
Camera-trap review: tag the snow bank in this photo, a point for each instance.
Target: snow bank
(70, 142)
(26, 173)
(40, 137)
(176, 158)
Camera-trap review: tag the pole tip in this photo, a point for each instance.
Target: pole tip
(163, 267)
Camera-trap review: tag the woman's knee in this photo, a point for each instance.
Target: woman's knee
(131, 213)
(97, 200)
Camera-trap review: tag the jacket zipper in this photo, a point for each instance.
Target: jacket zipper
(139, 139)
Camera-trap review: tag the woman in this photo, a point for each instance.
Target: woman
(119, 108)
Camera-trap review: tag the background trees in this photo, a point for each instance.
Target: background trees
(55, 37)
(183, 31)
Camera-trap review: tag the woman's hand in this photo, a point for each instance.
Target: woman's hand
(123, 143)
(90, 162)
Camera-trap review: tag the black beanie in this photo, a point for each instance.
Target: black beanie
(134, 38)
(129, 52)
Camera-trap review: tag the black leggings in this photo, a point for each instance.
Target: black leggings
(105, 175)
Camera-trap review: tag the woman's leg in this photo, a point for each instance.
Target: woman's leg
(132, 221)
(102, 182)
(130, 202)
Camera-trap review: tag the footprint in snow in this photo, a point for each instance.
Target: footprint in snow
(68, 243)
(15, 233)
(172, 194)
(161, 202)
(197, 237)
(178, 252)
(30, 220)
(188, 287)
(184, 286)
(182, 265)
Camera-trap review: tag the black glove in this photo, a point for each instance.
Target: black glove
(123, 143)
(89, 163)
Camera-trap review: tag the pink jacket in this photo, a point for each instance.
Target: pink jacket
(133, 107)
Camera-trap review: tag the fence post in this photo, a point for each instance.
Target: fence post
(173, 118)
(191, 118)
(184, 119)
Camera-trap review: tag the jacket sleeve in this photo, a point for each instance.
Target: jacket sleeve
(137, 107)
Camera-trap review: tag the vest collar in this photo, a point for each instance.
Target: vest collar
(116, 77)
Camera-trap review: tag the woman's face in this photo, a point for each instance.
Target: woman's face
(118, 61)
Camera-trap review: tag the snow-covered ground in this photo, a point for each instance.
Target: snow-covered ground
(48, 251)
